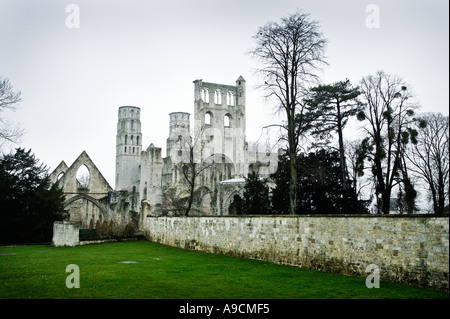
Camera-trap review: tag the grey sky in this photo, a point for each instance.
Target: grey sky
(147, 53)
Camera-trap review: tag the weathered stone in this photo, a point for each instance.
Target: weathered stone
(66, 234)
(401, 258)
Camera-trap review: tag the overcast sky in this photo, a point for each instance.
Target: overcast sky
(148, 53)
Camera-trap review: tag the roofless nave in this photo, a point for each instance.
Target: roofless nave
(147, 183)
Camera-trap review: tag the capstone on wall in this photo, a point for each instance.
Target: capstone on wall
(407, 249)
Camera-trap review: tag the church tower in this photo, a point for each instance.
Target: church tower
(219, 112)
(179, 138)
(128, 148)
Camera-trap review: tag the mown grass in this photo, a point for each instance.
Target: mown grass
(172, 273)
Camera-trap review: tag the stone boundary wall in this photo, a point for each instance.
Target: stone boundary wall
(67, 234)
(411, 249)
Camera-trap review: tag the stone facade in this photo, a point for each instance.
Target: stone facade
(87, 199)
(407, 249)
(146, 183)
(217, 147)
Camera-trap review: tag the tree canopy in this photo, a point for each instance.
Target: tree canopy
(319, 186)
(29, 202)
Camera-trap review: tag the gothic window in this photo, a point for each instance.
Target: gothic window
(208, 118)
(218, 97)
(137, 140)
(230, 98)
(205, 95)
(226, 120)
(126, 139)
(131, 140)
(125, 150)
(83, 176)
(132, 123)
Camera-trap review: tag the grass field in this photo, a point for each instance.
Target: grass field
(172, 273)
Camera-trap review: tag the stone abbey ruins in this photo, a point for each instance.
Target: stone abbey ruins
(148, 184)
(151, 191)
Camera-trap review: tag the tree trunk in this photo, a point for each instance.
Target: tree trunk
(293, 182)
(341, 149)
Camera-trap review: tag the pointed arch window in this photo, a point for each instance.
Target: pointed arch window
(83, 177)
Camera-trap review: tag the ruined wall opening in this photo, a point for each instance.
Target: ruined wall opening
(205, 95)
(208, 118)
(218, 97)
(227, 120)
(230, 98)
(235, 207)
(83, 177)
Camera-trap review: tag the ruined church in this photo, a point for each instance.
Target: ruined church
(207, 164)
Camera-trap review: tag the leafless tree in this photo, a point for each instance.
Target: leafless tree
(290, 53)
(389, 113)
(430, 157)
(8, 101)
(180, 197)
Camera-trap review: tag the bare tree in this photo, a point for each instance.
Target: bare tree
(180, 197)
(290, 53)
(389, 113)
(8, 101)
(194, 168)
(430, 157)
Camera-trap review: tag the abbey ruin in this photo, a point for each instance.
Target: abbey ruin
(152, 191)
(215, 158)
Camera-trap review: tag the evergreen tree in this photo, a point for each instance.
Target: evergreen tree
(29, 203)
(320, 189)
(335, 103)
(280, 195)
(256, 196)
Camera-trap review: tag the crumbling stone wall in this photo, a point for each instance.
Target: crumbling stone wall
(66, 234)
(86, 204)
(408, 249)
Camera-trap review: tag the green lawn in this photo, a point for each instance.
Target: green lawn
(173, 273)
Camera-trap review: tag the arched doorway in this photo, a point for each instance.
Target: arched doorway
(235, 204)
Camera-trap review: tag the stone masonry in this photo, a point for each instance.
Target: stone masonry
(407, 249)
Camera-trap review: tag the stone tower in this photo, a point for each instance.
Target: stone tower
(179, 135)
(128, 148)
(219, 112)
